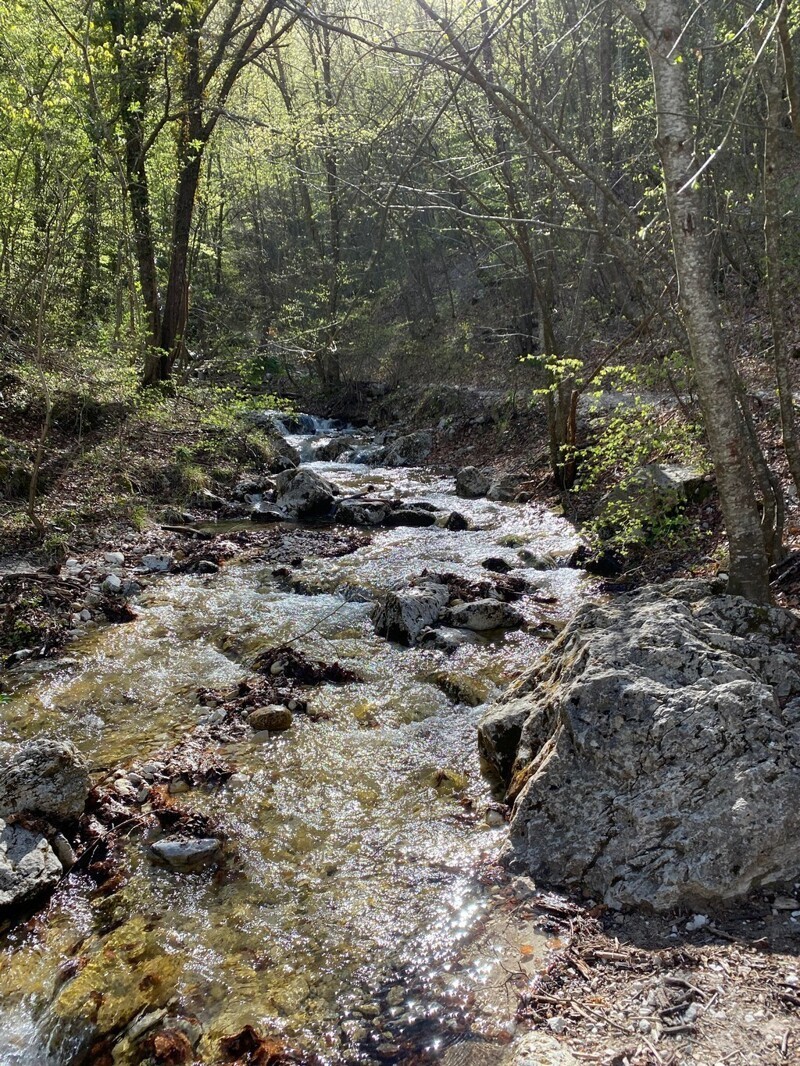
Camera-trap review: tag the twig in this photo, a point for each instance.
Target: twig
(601, 1017)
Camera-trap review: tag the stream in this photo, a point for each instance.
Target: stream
(349, 918)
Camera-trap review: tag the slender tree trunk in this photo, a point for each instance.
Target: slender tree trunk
(663, 22)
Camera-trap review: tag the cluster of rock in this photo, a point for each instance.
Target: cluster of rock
(651, 755)
(431, 609)
(473, 483)
(45, 780)
(303, 494)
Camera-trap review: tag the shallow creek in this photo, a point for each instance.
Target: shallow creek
(350, 906)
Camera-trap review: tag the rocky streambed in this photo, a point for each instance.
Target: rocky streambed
(289, 849)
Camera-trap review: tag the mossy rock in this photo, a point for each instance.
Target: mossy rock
(460, 687)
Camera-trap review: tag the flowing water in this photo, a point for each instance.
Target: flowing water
(351, 889)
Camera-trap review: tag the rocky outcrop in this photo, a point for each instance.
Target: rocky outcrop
(634, 507)
(472, 483)
(44, 777)
(651, 755)
(29, 867)
(304, 494)
(403, 615)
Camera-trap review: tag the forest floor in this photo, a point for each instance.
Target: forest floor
(619, 990)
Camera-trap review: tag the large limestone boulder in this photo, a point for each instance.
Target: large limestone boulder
(652, 753)
(403, 615)
(46, 777)
(411, 449)
(634, 507)
(304, 494)
(471, 483)
(28, 867)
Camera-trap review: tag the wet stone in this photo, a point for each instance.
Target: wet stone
(273, 718)
(486, 614)
(407, 516)
(187, 855)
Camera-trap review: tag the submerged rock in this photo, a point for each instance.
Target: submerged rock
(460, 687)
(651, 754)
(405, 614)
(47, 777)
(304, 494)
(29, 867)
(448, 639)
(128, 974)
(486, 614)
(472, 483)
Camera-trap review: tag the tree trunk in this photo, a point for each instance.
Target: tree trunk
(663, 23)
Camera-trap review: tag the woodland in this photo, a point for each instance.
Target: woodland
(399, 512)
(203, 202)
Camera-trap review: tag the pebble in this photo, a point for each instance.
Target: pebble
(114, 558)
(557, 1024)
(86, 615)
(178, 785)
(64, 851)
(112, 584)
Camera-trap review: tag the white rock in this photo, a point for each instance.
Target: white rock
(156, 563)
(697, 921)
